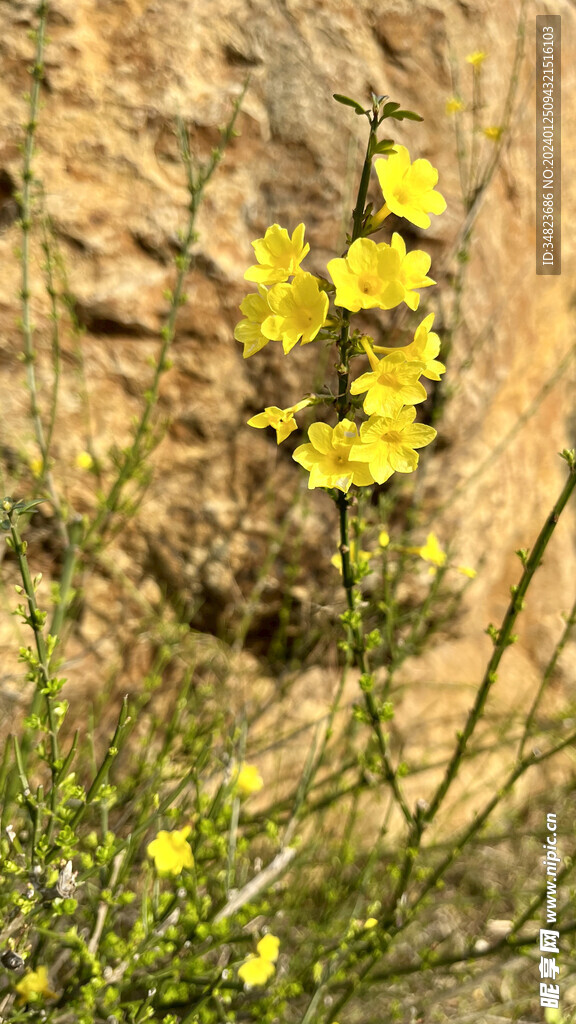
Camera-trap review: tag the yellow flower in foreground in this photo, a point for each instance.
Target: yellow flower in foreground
(257, 970)
(408, 188)
(388, 443)
(170, 851)
(476, 58)
(368, 276)
(392, 383)
(424, 349)
(268, 948)
(369, 923)
(454, 105)
(299, 310)
(414, 267)
(332, 457)
(278, 255)
(249, 330)
(281, 419)
(34, 985)
(249, 780)
(84, 460)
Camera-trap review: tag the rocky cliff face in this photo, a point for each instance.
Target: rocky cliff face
(118, 74)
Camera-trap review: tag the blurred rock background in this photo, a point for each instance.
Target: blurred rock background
(118, 74)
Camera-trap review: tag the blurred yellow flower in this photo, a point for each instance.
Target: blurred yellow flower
(249, 780)
(476, 58)
(36, 466)
(467, 571)
(269, 947)
(454, 105)
(34, 985)
(84, 460)
(431, 551)
(258, 969)
(255, 971)
(170, 851)
(383, 539)
(370, 922)
(493, 132)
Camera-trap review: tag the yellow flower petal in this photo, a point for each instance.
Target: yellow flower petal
(249, 780)
(171, 852)
(256, 971)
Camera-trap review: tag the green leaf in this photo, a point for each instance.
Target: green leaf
(384, 146)
(409, 115)
(388, 110)
(349, 102)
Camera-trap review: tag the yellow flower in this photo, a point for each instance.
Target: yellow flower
(249, 780)
(36, 466)
(408, 188)
(34, 985)
(268, 948)
(392, 383)
(281, 419)
(331, 457)
(84, 460)
(414, 267)
(454, 105)
(257, 970)
(249, 330)
(298, 310)
(369, 923)
(493, 132)
(388, 443)
(476, 58)
(279, 255)
(355, 556)
(467, 571)
(368, 276)
(424, 348)
(383, 539)
(170, 851)
(431, 551)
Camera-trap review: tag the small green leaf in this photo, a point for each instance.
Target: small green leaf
(388, 110)
(349, 102)
(384, 146)
(409, 115)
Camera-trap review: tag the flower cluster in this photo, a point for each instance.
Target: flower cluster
(293, 306)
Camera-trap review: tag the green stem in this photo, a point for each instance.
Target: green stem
(35, 620)
(354, 624)
(504, 637)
